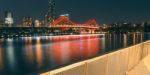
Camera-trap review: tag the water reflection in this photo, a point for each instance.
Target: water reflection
(103, 44)
(137, 38)
(141, 37)
(56, 49)
(40, 53)
(72, 50)
(110, 40)
(29, 50)
(1, 58)
(65, 52)
(125, 40)
(115, 41)
(10, 54)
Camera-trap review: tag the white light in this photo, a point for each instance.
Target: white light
(64, 15)
(8, 20)
(37, 23)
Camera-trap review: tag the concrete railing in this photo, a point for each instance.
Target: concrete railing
(115, 63)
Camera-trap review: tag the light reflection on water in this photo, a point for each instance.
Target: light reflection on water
(1, 59)
(39, 53)
(124, 40)
(11, 59)
(33, 54)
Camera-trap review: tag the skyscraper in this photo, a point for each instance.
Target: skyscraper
(50, 16)
(27, 22)
(8, 18)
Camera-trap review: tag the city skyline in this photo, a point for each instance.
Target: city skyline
(103, 11)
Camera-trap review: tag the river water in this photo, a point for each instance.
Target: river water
(33, 55)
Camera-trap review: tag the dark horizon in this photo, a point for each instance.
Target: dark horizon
(80, 11)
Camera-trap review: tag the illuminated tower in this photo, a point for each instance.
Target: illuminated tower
(50, 16)
(8, 18)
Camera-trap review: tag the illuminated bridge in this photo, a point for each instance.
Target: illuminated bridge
(61, 26)
(64, 23)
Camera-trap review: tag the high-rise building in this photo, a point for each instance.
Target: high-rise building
(37, 23)
(50, 16)
(27, 22)
(8, 19)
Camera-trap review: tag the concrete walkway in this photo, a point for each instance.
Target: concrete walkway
(143, 68)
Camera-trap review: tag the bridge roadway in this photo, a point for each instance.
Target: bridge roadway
(77, 26)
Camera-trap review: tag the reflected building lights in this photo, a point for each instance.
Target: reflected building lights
(51, 55)
(39, 53)
(141, 37)
(81, 47)
(94, 47)
(29, 50)
(1, 58)
(110, 41)
(137, 38)
(134, 39)
(103, 44)
(120, 40)
(86, 49)
(89, 46)
(125, 40)
(115, 40)
(59, 52)
(10, 54)
(56, 49)
(65, 52)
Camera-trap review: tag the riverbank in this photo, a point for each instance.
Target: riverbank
(123, 60)
(31, 55)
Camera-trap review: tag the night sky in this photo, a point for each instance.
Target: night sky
(104, 11)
